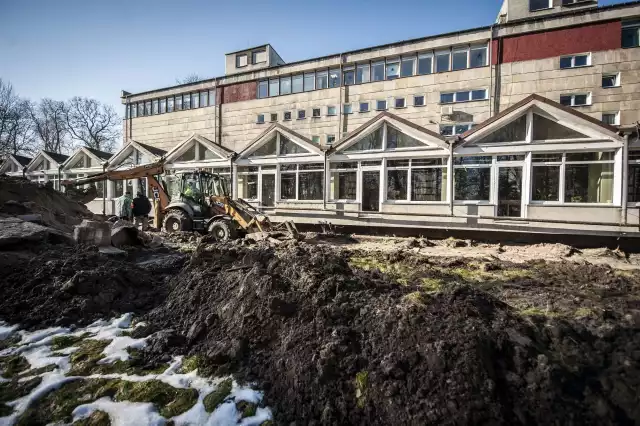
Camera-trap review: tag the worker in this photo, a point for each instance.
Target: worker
(141, 209)
(191, 191)
(124, 206)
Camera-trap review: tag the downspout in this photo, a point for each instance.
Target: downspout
(340, 111)
(327, 178)
(217, 119)
(491, 71)
(450, 180)
(104, 189)
(625, 176)
(59, 178)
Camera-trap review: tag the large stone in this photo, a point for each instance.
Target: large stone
(18, 233)
(93, 232)
(124, 233)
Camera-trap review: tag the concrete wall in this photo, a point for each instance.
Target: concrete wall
(519, 9)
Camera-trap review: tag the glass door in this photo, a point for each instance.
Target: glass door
(510, 191)
(268, 190)
(371, 191)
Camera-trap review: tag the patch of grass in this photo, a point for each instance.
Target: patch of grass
(12, 365)
(84, 361)
(36, 371)
(10, 391)
(169, 400)
(538, 312)
(10, 341)
(216, 397)
(62, 342)
(466, 274)
(190, 363)
(97, 418)
(432, 285)
(369, 263)
(584, 313)
(515, 273)
(415, 298)
(362, 382)
(248, 409)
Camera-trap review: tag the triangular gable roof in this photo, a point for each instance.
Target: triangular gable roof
(571, 118)
(219, 150)
(18, 160)
(293, 136)
(92, 153)
(405, 126)
(149, 151)
(102, 155)
(53, 158)
(22, 160)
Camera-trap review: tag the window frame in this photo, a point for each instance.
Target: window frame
(386, 106)
(573, 99)
(424, 99)
(314, 111)
(256, 52)
(329, 113)
(633, 25)
(549, 6)
(469, 92)
(478, 165)
(301, 115)
(616, 78)
(246, 58)
(260, 118)
(454, 128)
(404, 102)
(347, 108)
(633, 160)
(573, 60)
(360, 104)
(284, 116)
(297, 173)
(409, 168)
(616, 118)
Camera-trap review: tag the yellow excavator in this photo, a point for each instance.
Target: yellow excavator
(192, 200)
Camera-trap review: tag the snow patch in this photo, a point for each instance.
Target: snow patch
(122, 413)
(29, 337)
(6, 330)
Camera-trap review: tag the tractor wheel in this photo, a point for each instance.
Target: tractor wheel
(223, 230)
(177, 220)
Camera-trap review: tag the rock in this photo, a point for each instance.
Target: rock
(163, 340)
(411, 243)
(124, 233)
(33, 218)
(93, 232)
(155, 242)
(222, 352)
(14, 231)
(195, 331)
(13, 207)
(454, 243)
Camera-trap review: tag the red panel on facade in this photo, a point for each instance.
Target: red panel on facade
(240, 92)
(589, 38)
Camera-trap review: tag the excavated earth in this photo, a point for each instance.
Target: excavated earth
(346, 337)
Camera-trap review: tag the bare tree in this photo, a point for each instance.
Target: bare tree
(50, 127)
(94, 124)
(191, 78)
(16, 134)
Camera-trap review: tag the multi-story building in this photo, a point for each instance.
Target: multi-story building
(527, 124)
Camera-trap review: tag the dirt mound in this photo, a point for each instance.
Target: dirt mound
(19, 197)
(77, 285)
(332, 344)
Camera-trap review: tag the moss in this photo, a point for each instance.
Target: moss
(362, 382)
(432, 285)
(97, 418)
(62, 342)
(14, 389)
(12, 365)
(468, 274)
(248, 409)
(37, 371)
(537, 312)
(584, 313)
(10, 341)
(216, 397)
(415, 298)
(169, 400)
(84, 361)
(369, 263)
(190, 363)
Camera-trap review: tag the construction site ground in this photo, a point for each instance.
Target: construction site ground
(333, 329)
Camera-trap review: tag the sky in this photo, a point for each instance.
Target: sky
(65, 48)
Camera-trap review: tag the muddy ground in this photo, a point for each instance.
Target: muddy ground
(338, 333)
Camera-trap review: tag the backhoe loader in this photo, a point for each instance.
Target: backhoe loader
(191, 201)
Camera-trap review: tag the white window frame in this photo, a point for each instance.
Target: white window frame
(424, 99)
(549, 6)
(238, 57)
(409, 168)
(616, 119)
(355, 170)
(271, 119)
(435, 60)
(573, 61)
(573, 99)
(368, 73)
(391, 61)
(413, 58)
(331, 142)
(257, 52)
(297, 172)
(329, 113)
(425, 55)
(259, 172)
(347, 108)
(484, 47)
(461, 50)
(493, 167)
(634, 159)
(315, 139)
(455, 96)
(304, 113)
(635, 24)
(258, 120)
(386, 106)
(367, 103)
(454, 126)
(404, 102)
(616, 76)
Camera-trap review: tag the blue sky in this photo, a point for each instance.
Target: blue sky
(63, 48)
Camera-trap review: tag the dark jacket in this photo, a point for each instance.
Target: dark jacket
(141, 206)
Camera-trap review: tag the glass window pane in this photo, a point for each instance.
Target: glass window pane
(349, 77)
(462, 96)
(287, 147)
(381, 105)
(546, 183)
(580, 100)
(377, 70)
(479, 94)
(370, 142)
(406, 69)
(565, 62)
(285, 85)
(446, 98)
(631, 37)
(195, 100)
(186, 101)
(302, 114)
(163, 106)
(609, 80)
(397, 139)
(397, 184)
(309, 81)
(565, 100)
(178, 103)
(334, 78)
(269, 148)
(322, 80)
(442, 62)
(287, 186)
(546, 158)
(588, 183)
(204, 99)
(418, 100)
(581, 61)
(247, 186)
(393, 70)
(478, 57)
(429, 184)
(425, 63)
(590, 156)
(259, 56)
(472, 160)
(154, 107)
(212, 97)
(331, 110)
(347, 108)
(633, 187)
(263, 89)
(460, 60)
(512, 132)
(538, 4)
(343, 185)
(147, 108)
(297, 83)
(274, 87)
(170, 104)
(544, 128)
(363, 74)
(364, 106)
(472, 184)
(310, 185)
(446, 130)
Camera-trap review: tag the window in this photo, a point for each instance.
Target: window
(302, 182)
(322, 80)
(381, 105)
(186, 101)
(633, 186)
(546, 129)
(274, 117)
(588, 177)
(315, 113)
(442, 61)
(285, 85)
(473, 95)
(610, 80)
(363, 73)
(417, 180)
(315, 139)
(331, 110)
(212, 97)
(514, 131)
(274, 87)
(154, 107)
(398, 140)
(334, 78)
(301, 114)
(472, 178)
(407, 66)
(377, 71)
(204, 99)
(297, 82)
(134, 110)
(539, 5)
(147, 108)
(454, 129)
(287, 116)
(309, 81)
(425, 63)
(263, 89)
(576, 99)
(575, 61)
(260, 119)
(572, 2)
(478, 57)
(170, 104)
(259, 56)
(372, 141)
(400, 103)
(343, 181)
(349, 76)
(163, 106)
(347, 108)
(331, 139)
(612, 118)
(460, 59)
(248, 182)
(631, 34)
(241, 60)
(195, 100)
(392, 69)
(364, 106)
(178, 103)
(418, 100)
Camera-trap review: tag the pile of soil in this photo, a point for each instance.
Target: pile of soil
(19, 196)
(332, 344)
(65, 285)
